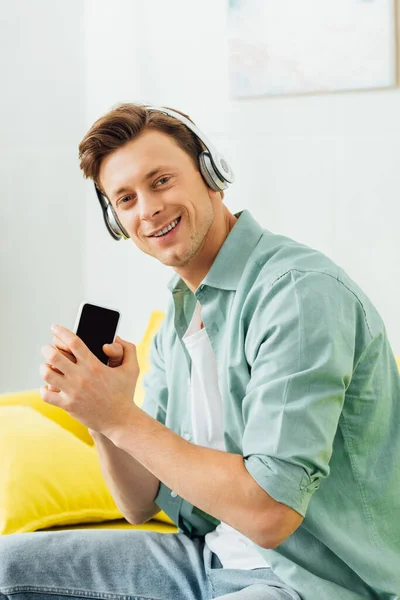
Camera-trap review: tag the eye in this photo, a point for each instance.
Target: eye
(124, 200)
(162, 180)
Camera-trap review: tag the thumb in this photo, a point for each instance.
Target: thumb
(113, 350)
(120, 352)
(129, 350)
(115, 353)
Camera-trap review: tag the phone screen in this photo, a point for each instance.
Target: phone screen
(97, 326)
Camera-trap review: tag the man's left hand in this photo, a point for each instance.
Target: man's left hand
(98, 396)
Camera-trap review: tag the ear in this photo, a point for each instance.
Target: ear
(215, 195)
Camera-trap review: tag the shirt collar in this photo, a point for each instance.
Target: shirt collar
(228, 266)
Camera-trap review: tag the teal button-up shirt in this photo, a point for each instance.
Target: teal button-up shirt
(311, 400)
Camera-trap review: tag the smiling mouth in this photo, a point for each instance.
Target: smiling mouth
(162, 235)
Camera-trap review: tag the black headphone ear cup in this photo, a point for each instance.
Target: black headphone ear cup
(209, 173)
(115, 226)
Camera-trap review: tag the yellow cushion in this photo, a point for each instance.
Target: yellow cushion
(33, 399)
(398, 361)
(48, 477)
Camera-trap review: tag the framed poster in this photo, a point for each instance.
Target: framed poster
(279, 47)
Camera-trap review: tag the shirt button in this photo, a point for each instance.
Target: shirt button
(187, 436)
(174, 494)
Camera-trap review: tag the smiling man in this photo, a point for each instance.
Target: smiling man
(171, 195)
(270, 427)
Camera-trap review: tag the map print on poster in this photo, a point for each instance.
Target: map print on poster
(279, 47)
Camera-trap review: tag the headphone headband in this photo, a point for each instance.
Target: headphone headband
(219, 161)
(214, 168)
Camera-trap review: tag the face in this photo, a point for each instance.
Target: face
(153, 184)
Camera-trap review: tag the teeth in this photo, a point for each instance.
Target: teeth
(167, 228)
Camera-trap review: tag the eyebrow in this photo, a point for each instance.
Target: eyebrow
(149, 175)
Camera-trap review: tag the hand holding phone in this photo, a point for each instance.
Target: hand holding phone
(99, 397)
(96, 326)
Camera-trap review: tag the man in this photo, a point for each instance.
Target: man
(270, 427)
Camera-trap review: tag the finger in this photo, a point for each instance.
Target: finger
(113, 349)
(50, 376)
(67, 354)
(115, 352)
(129, 354)
(50, 396)
(56, 359)
(75, 345)
(51, 388)
(63, 348)
(57, 342)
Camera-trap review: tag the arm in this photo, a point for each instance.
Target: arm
(160, 450)
(301, 353)
(216, 482)
(131, 485)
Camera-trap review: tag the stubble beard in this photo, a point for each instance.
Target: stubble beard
(180, 261)
(196, 243)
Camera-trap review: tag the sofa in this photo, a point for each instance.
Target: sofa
(50, 476)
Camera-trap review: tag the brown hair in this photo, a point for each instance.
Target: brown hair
(124, 123)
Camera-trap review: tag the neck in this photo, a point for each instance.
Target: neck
(194, 273)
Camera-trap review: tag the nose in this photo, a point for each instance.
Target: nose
(149, 206)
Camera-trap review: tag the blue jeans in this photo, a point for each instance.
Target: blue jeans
(125, 564)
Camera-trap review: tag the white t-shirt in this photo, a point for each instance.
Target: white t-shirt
(234, 550)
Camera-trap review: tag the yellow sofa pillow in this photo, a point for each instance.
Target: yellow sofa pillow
(33, 399)
(48, 477)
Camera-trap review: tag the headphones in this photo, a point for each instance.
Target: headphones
(214, 168)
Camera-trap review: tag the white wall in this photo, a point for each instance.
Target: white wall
(117, 274)
(41, 195)
(321, 169)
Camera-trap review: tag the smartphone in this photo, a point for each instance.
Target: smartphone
(96, 325)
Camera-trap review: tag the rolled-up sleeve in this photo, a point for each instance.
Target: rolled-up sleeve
(300, 347)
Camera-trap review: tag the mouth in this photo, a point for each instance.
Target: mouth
(169, 234)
